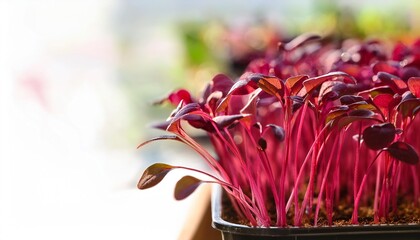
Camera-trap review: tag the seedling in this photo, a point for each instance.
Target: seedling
(296, 137)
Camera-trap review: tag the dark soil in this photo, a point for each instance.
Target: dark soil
(406, 213)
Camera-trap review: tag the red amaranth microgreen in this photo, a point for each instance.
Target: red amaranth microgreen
(295, 137)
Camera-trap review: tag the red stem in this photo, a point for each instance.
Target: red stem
(238, 195)
(309, 189)
(324, 179)
(297, 143)
(318, 137)
(356, 171)
(359, 193)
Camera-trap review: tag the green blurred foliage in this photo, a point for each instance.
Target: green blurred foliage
(198, 50)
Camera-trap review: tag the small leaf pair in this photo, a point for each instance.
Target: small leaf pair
(380, 136)
(155, 173)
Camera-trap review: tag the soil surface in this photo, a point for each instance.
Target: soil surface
(406, 213)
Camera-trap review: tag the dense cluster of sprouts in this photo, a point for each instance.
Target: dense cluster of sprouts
(305, 129)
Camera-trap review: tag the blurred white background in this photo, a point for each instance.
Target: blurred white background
(68, 168)
(76, 82)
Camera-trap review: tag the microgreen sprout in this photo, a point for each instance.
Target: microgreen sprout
(306, 130)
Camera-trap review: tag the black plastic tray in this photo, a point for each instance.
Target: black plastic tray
(232, 231)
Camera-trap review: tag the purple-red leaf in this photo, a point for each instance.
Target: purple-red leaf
(312, 83)
(373, 92)
(222, 83)
(176, 97)
(245, 85)
(350, 113)
(355, 115)
(349, 99)
(361, 105)
(166, 137)
(400, 51)
(248, 83)
(278, 132)
(409, 107)
(262, 144)
(192, 113)
(213, 98)
(408, 72)
(198, 121)
(191, 107)
(224, 121)
(161, 125)
(378, 136)
(297, 102)
(271, 85)
(180, 95)
(394, 82)
(301, 40)
(336, 112)
(414, 86)
(385, 103)
(331, 90)
(365, 113)
(404, 152)
(295, 83)
(389, 67)
(153, 175)
(185, 187)
(251, 105)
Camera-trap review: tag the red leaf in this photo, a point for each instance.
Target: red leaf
(355, 115)
(176, 97)
(301, 40)
(373, 92)
(161, 125)
(336, 112)
(404, 152)
(278, 131)
(222, 83)
(262, 144)
(271, 85)
(251, 105)
(409, 107)
(167, 137)
(394, 82)
(295, 84)
(187, 109)
(378, 136)
(153, 175)
(245, 85)
(224, 103)
(349, 99)
(330, 90)
(297, 102)
(224, 121)
(179, 95)
(384, 103)
(248, 83)
(414, 86)
(361, 113)
(362, 105)
(350, 113)
(185, 187)
(400, 51)
(385, 67)
(312, 83)
(213, 99)
(408, 72)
